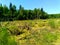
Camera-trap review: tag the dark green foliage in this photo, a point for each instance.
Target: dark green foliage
(43, 14)
(54, 16)
(11, 13)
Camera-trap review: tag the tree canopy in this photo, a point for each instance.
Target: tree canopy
(11, 13)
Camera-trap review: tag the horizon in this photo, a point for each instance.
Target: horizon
(51, 6)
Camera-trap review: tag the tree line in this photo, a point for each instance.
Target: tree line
(11, 13)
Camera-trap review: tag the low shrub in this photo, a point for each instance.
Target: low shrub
(4, 37)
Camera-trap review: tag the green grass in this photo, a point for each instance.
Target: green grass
(5, 39)
(30, 32)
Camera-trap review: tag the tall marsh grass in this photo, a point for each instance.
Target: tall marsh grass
(52, 23)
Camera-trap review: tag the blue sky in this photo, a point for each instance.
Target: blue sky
(49, 6)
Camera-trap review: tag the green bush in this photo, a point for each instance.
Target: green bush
(4, 37)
